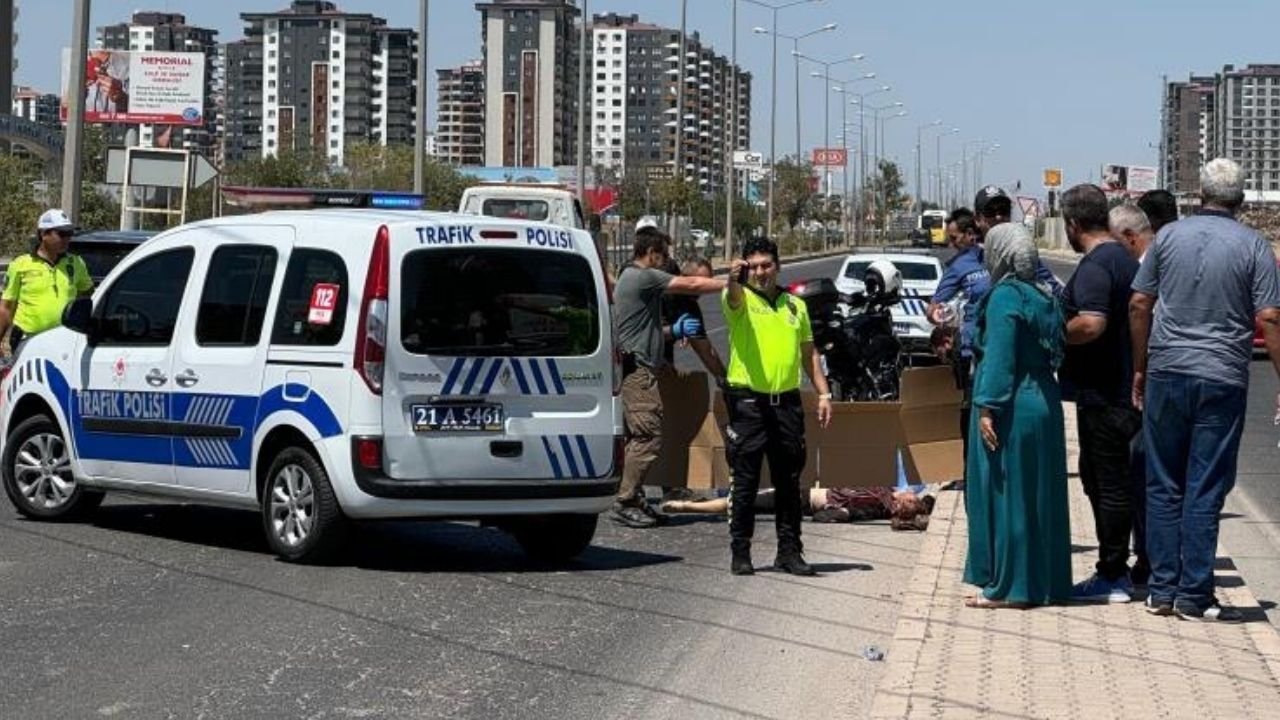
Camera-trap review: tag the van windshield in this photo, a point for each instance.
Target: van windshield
(498, 301)
(516, 209)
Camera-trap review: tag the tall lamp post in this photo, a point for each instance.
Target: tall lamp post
(825, 75)
(731, 139)
(952, 131)
(795, 54)
(919, 190)
(965, 153)
(883, 153)
(774, 9)
(420, 132)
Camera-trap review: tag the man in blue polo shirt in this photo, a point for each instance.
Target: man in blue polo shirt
(965, 279)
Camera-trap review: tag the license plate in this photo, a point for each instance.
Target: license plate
(903, 328)
(455, 417)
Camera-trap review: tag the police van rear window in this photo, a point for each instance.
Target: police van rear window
(469, 302)
(517, 209)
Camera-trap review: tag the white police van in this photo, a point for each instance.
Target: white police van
(329, 365)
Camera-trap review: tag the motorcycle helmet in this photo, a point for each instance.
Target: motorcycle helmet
(882, 279)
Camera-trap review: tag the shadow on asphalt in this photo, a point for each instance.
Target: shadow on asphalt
(391, 546)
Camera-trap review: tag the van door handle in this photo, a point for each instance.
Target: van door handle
(187, 378)
(155, 378)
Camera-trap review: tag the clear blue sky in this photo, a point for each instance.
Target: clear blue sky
(1074, 84)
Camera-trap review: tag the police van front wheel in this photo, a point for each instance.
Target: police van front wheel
(300, 514)
(37, 473)
(554, 539)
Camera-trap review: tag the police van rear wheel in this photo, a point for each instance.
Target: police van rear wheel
(554, 538)
(37, 473)
(300, 514)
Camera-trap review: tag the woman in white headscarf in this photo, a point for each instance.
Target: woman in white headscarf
(1016, 494)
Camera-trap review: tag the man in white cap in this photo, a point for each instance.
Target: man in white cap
(43, 282)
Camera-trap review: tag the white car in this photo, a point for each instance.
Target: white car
(316, 366)
(920, 275)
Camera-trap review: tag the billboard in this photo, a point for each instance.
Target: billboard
(1128, 179)
(164, 88)
(830, 157)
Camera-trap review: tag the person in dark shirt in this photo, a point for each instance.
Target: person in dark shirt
(1097, 375)
(1160, 206)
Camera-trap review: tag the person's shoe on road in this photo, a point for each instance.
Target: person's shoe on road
(794, 565)
(632, 516)
(657, 517)
(741, 564)
(1161, 608)
(1100, 589)
(1213, 613)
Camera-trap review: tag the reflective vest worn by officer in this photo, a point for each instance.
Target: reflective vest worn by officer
(38, 289)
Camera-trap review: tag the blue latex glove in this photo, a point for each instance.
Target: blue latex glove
(686, 326)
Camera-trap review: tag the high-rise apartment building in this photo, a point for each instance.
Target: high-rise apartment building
(1188, 132)
(531, 71)
(313, 76)
(169, 32)
(460, 114)
(1246, 112)
(635, 71)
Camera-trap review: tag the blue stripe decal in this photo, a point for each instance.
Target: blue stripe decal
(551, 455)
(453, 376)
(493, 376)
(520, 379)
(537, 377)
(586, 457)
(476, 367)
(568, 453)
(555, 376)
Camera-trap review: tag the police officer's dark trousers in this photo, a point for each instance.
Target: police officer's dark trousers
(765, 426)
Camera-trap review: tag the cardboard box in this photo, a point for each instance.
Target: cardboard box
(685, 399)
(859, 448)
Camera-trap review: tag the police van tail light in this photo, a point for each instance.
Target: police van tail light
(371, 339)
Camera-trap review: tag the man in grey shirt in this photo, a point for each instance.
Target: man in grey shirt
(1205, 280)
(637, 314)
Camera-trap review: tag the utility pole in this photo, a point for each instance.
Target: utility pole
(73, 145)
(6, 61)
(420, 134)
(582, 108)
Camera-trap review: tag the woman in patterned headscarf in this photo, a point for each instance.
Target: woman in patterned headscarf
(1016, 494)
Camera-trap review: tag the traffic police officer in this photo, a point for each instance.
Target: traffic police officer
(43, 282)
(769, 341)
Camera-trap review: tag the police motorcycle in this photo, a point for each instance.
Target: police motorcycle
(853, 333)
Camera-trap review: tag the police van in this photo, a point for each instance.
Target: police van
(333, 365)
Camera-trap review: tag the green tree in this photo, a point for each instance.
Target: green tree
(793, 191)
(289, 169)
(444, 185)
(674, 195)
(367, 166)
(633, 197)
(885, 190)
(18, 206)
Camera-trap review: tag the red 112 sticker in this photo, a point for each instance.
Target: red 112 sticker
(324, 298)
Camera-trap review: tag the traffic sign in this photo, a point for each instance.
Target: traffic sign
(830, 157)
(748, 160)
(202, 171)
(1052, 177)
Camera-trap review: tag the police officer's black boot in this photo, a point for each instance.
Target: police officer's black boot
(794, 564)
(741, 563)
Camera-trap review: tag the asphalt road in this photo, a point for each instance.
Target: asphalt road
(153, 611)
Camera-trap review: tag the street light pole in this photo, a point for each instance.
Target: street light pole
(73, 147)
(672, 222)
(941, 194)
(773, 99)
(731, 141)
(919, 138)
(582, 107)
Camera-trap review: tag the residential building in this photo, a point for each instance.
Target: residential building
(314, 76)
(635, 76)
(531, 71)
(38, 107)
(169, 32)
(460, 114)
(1247, 126)
(1188, 132)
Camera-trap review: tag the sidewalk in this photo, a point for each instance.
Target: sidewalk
(1078, 661)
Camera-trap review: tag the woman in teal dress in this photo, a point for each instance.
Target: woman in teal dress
(1016, 493)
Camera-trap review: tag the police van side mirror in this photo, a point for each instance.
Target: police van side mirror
(78, 316)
